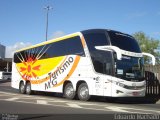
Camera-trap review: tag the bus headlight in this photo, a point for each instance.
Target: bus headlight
(120, 84)
(130, 87)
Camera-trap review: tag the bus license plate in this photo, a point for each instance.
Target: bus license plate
(135, 93)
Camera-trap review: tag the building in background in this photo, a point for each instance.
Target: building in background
(5, 63)
(2, 51)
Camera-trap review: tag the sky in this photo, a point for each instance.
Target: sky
(23, 22)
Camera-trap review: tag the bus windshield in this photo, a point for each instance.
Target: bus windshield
(130, 68)
(124, 41)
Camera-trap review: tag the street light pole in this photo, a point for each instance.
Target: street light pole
(47, 8)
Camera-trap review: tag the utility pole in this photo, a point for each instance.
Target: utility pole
(47, 8)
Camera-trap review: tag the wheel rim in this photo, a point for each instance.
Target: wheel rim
(28, 88)
(84, 92)
(69, 91)
(22, 88)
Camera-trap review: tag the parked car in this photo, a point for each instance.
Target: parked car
(5, 75)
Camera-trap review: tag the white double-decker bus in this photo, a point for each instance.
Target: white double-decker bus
(97, 62)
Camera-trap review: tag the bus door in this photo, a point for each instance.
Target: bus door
(98, 83)
(103, 65)
(107, 86)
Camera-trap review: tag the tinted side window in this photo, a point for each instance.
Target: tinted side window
(102, 60)
(71, 46)
(16, 59)
(96, 39)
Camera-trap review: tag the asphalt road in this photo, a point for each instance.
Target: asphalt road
(48, 105)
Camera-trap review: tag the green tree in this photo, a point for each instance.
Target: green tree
(148, 45)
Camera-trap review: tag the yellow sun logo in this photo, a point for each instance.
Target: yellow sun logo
(29, 69)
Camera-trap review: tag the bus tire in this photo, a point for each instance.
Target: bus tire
(22, 88)
(83, 92)
(28, 88)
(69, 92)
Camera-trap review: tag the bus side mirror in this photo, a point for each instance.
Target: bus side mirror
(117, 50)
(115, 56)
(150, 55)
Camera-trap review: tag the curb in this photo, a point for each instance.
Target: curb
(4, 81)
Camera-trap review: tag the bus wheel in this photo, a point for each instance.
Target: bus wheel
(22, 88)
(69, 92)
(83, 92)
(28, 88)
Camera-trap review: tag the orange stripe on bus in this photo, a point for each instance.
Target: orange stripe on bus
(83, 41)
(70, 72)
(47, 78)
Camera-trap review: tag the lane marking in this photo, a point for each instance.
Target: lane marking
(139, 109)
(73, 105)
(116, 109)
(127, 108)
(87, 104)
(66, 106)
(11, 99)
(43, 102)
(158, 102)
(8, 93)
(57, 101)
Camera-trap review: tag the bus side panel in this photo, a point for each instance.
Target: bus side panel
(1, 76)
(51, 73)
(83, 73)
(16, 78)
(76, 71)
